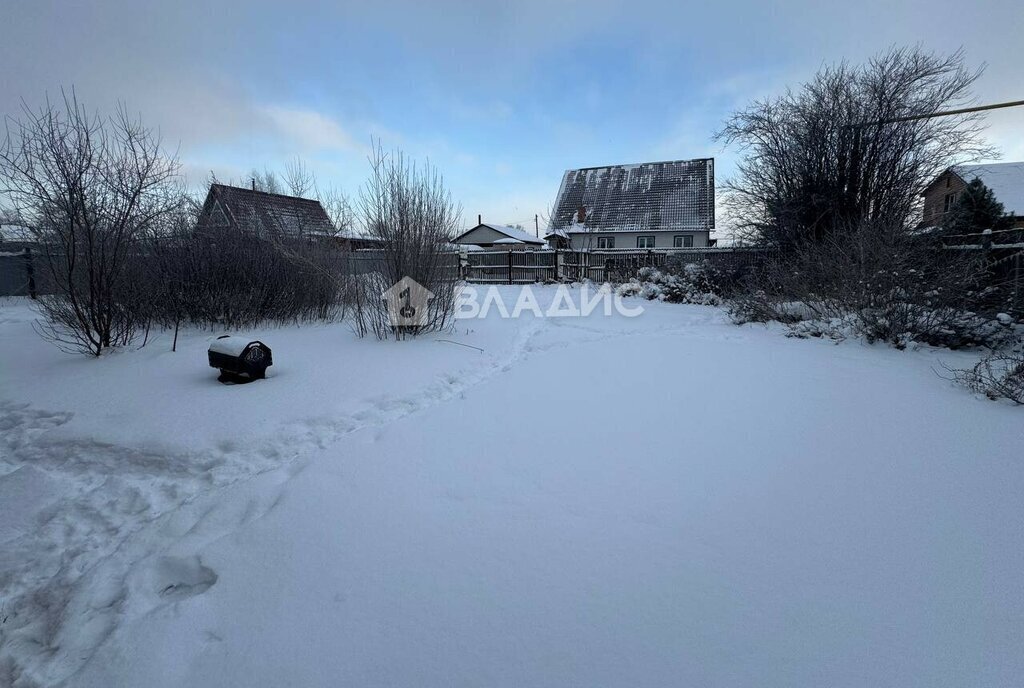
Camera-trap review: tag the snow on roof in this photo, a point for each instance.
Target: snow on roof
(519, 236)
(1006, 179)
(670, 195)
(16, 233)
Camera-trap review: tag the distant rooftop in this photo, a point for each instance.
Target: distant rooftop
(514, 235)
(670, 195)
(19, 234)
(241, 207)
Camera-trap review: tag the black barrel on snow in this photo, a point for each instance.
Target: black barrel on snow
(240, 356)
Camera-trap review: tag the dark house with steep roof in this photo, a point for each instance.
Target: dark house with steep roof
(648, 205)
(263, 213)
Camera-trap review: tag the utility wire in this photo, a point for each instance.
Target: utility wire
(944, 113)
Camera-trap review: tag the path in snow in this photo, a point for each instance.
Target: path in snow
(76, 499)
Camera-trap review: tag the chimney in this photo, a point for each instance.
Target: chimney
(479, 221)
(581, 214)
(254, 183)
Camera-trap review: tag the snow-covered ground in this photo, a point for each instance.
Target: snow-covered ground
(660, 500)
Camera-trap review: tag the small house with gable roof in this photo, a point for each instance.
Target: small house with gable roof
(487, 235)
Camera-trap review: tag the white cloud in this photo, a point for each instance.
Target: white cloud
(312, 131)
(1004, 132)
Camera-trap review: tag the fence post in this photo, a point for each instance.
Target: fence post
(510, 266)
(30, 273)
(1017, 275)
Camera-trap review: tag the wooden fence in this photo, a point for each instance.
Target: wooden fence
(1003, 276)
(611, 265)
(21, 276)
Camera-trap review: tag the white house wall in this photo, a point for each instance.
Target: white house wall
(662, 239)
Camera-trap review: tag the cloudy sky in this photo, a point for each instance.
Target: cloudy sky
(502, 97)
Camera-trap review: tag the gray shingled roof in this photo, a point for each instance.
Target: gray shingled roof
(674, 195)
(269, 212)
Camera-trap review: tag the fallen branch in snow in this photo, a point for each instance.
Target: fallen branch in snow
(999, 375)
(468, 346)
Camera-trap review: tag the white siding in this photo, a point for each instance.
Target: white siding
(662, 239)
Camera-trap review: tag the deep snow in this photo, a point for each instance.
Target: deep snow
(660, 500)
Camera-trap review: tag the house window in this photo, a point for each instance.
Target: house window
(606, 242)
(948, 202)
(645, 242)
(682, 241)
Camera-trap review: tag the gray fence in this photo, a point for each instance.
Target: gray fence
(366, 261)
(523, 267)
(21, 274)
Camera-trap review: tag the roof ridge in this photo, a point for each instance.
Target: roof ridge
(976, 165)
(265, 193)
(637, 164)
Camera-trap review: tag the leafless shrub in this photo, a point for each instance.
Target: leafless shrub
(999, 375)
(91, 187)
(235, 278)
(407, 208)
(363, 296)
(339, 208)
(875, 282)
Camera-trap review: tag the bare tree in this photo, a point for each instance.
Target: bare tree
(297, 177)
(265, 181)
(339, 208)
(91, 187)
(813, 165)
(409, 210)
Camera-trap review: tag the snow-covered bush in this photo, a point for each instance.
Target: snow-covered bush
(693, 283)
(630, 288)
(952, 331)
(880, 285)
